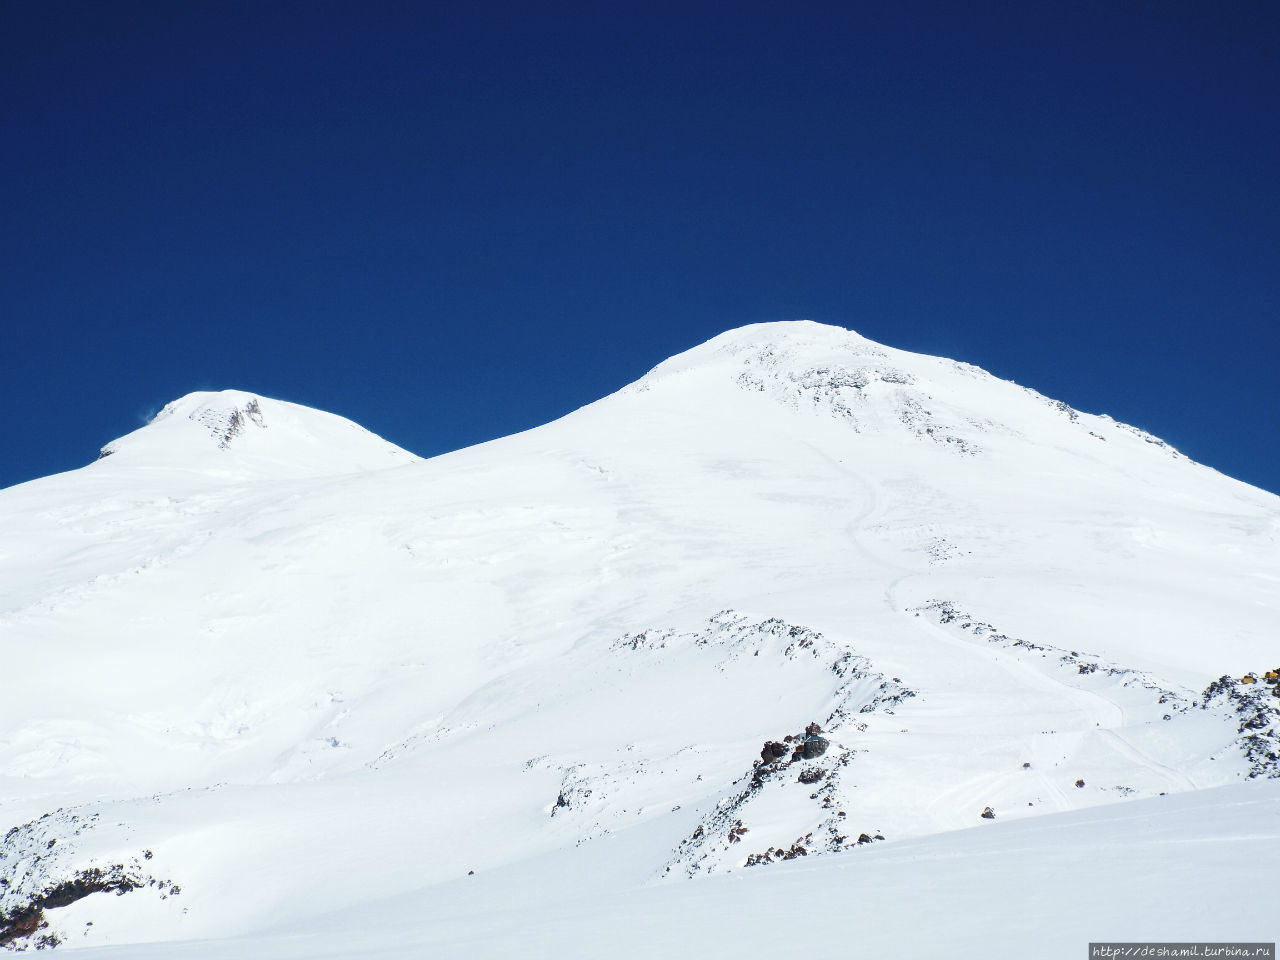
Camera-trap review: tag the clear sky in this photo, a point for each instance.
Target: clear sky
(453, 221)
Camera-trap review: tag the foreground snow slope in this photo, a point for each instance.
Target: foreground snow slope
(307, 673)
(1168, 869)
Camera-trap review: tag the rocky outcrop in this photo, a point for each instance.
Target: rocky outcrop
(1073, 661)
(1256, 711)
(40, 871)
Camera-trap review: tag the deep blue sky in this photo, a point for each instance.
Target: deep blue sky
(450, 222)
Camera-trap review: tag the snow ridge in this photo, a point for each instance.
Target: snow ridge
(716, 842)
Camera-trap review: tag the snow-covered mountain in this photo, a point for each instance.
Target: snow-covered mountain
(301, 693)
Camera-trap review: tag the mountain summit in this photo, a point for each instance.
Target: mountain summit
(275, 672)
(236, 433)
(868, 387)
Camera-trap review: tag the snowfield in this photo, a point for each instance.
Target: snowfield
(275, 688)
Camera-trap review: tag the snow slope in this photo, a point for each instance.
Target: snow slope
(1168, 869)
(313, 681)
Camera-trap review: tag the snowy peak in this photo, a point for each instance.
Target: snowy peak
(224, 414)
(809, 366)
(234, 432)
(609, 640)
(796, 343)
(831, 373)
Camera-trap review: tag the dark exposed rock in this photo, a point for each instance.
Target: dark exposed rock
(38, 875)
(29, 919)
(814, 746)
(1257, 718)
(772, 855)
(947, 613)
(21, 924)
(860, 690)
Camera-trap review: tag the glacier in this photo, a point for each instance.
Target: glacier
(278, 688)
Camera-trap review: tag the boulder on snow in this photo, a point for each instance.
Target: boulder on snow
(814, 746)
(772, 750)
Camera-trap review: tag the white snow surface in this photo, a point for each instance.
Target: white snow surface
(314, 696)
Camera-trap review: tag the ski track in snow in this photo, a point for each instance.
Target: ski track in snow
(1094, 711)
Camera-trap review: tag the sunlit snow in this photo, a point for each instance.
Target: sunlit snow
(309, 695)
